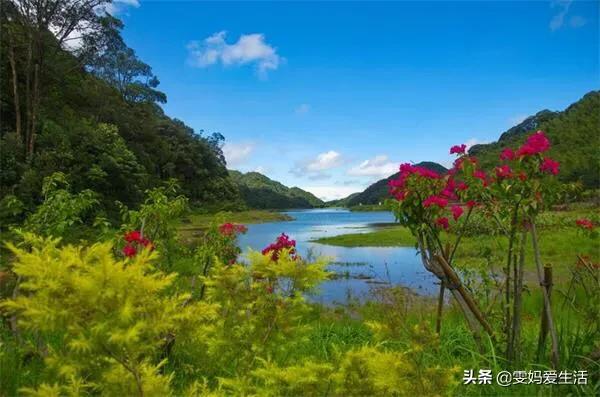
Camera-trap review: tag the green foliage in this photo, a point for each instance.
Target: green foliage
(98, 124)
(575, 135)
(258, 191)
(104, 320)
(157, 218)
(61, 210)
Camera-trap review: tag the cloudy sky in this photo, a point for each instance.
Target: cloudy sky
(332, 96)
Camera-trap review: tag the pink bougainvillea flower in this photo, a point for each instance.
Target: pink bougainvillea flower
(536, 143)
(507, 154)
(471, 203)
(282, 242)
(481, 175)
(435, 200)
(427, 173)
(457, 211)
(550, 166)
(443, 222)
(503, 172)
(462, 186)
(129, 251)
(132, 236)
(241, 229)
(230, 229)
(585, 224)
(458, 149)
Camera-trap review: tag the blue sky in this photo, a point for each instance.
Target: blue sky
(332, 96)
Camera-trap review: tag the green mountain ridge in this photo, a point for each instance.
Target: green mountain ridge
(378, 191)
(574, 134)
(575, 137)
(260, 192)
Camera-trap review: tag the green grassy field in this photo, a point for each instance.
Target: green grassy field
(195, 223)
(560, 242)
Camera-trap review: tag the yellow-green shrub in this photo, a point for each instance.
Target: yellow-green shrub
(107, 318)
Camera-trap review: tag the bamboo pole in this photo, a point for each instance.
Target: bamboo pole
(466, 295)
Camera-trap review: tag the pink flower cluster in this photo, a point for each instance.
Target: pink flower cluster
(397, 186)
(231, 229)
(585, 224)
(282, 242)
(458, 149)
(503, 172)
(435, 200)
(536, 143)
(550, 166)
(134, 240)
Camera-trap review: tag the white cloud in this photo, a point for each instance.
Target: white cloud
(302, 109)
(314, 168)
(559, 19)
(325, 161)
(333, 192)
(577, 21)
(260, 169)
(118, 6)
(474, 141)
(249, 49)
(237, 153)
(379, 166)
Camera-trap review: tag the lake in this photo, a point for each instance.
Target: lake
(359, 268)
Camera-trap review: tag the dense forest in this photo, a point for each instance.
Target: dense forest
(258, 191)
(575, 133)
(79, 101)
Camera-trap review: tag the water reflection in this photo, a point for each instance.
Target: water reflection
(358, 268)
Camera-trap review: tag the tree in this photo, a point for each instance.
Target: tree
(118, 64)
(39, 26)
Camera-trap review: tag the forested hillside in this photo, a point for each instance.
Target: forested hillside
(574, 132)
(93, 112)
(258, 191)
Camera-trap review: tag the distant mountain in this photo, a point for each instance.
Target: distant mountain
(378, 192)
(343, 202)
(258, 191)
(574, 134)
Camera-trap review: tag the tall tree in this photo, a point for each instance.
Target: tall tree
(118, 64)
(40, 26)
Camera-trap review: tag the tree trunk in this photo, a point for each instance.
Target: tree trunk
(15, 84)
(34, 110)
(28, 100)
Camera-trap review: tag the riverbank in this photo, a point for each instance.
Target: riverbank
(193, 225)
(559, 247)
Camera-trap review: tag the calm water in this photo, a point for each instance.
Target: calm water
(364, 267)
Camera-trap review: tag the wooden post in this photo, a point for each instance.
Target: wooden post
(547, 304)
(544, 327)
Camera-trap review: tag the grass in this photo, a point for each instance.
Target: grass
(250, 216)
(194, 224)
(560, 242)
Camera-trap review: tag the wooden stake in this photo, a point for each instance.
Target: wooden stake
(545, 283)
